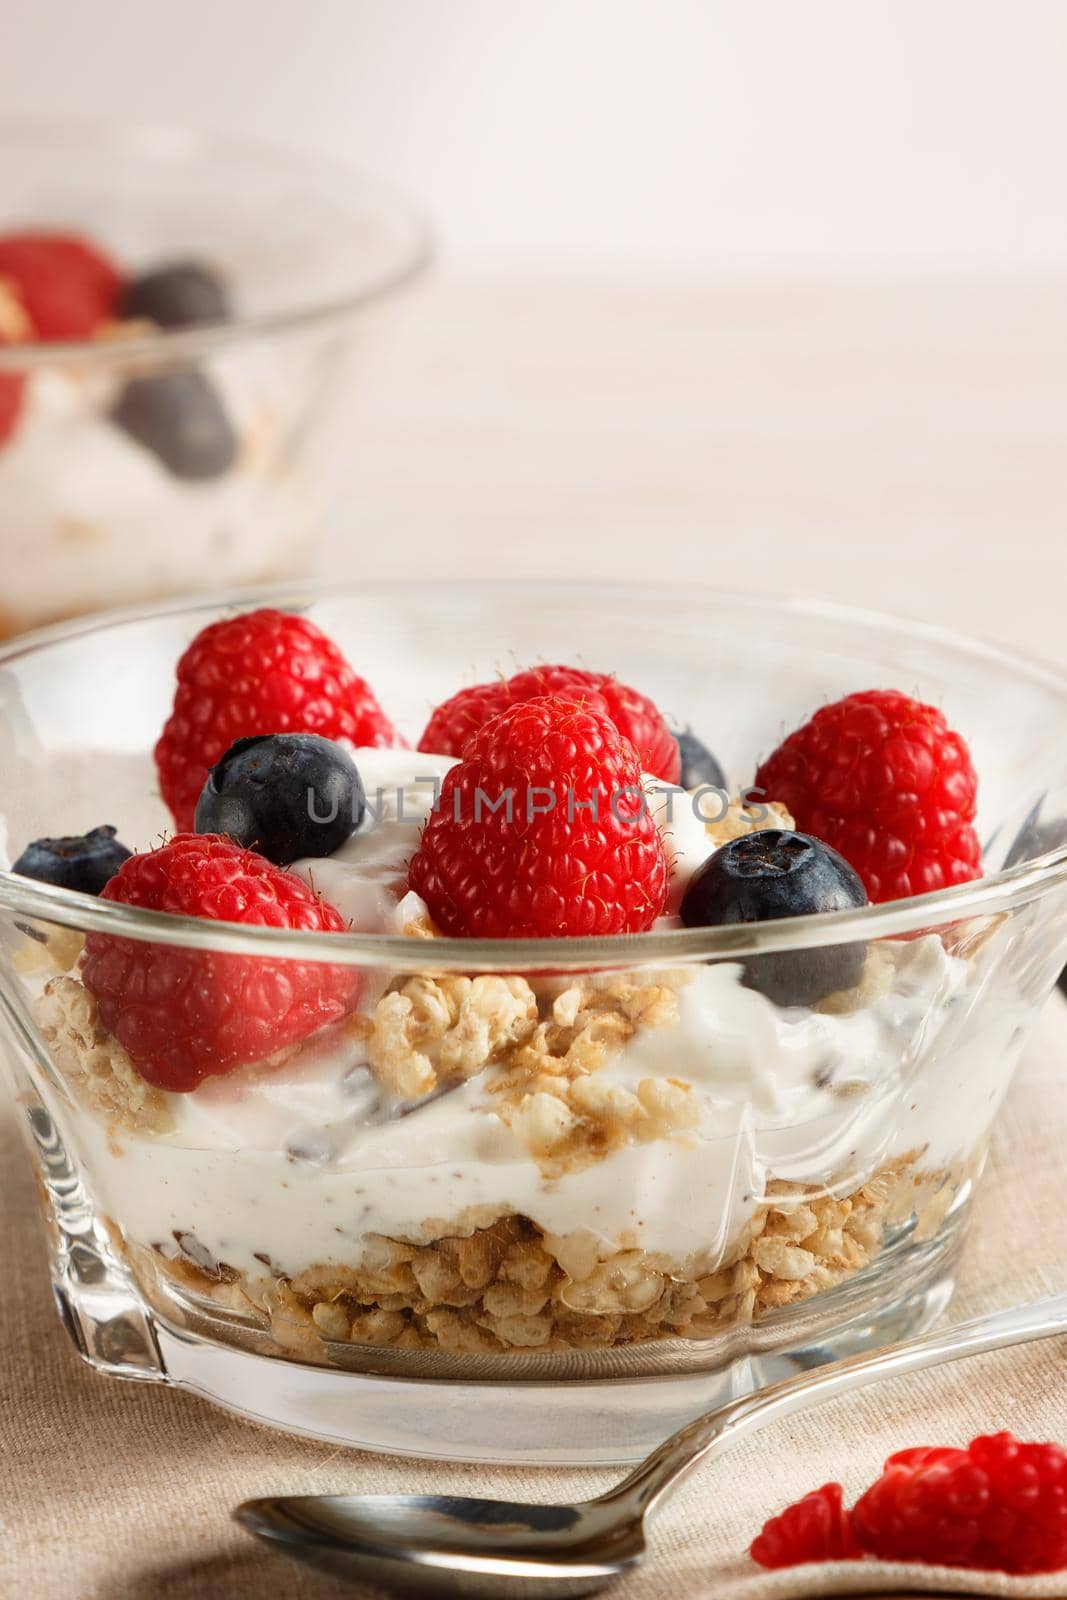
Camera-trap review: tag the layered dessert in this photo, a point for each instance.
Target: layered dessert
(125, 463)
(476, 1156)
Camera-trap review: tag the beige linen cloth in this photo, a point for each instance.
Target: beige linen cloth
(119, 1491)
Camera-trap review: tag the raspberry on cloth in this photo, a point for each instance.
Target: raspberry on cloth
(998, 1506)
(816, 1528)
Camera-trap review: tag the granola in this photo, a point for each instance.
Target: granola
(740, 818)
(510, 1286)
(94, 1063)
(437, 1030)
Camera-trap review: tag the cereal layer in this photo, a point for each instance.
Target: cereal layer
(510, 1287)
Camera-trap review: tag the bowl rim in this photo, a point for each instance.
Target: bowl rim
(172, 142)
(983, 897)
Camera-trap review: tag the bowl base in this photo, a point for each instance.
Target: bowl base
(523, 1423)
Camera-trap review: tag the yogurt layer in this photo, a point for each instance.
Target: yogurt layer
(367, 878)
(286, 1163)
(287, 1166)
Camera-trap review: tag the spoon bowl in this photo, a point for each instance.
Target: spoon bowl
(452, 1545)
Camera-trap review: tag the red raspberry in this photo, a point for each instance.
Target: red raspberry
(184, 1015)
(66, 285)
(263, 672)
(884, 780)
(12, 385)
(999, 1505)
(454, 723)
(817, 1528)
(553, 867)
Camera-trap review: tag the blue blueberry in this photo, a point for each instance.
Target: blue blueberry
(699, 766)
(83, 862)
(184, 294)
(180, 417)
(776, 873)
(285, 795)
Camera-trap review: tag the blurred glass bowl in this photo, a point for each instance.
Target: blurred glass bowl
(92, 515)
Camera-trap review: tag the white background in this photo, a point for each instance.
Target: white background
(824, 135)
(771, 295)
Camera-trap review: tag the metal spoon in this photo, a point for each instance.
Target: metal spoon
(448, 1545)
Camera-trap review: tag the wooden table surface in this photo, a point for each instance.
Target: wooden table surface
(898, 445)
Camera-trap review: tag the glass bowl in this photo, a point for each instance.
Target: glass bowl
(649, 1185)
(105, 502)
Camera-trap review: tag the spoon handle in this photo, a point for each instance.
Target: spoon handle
(713, 1432)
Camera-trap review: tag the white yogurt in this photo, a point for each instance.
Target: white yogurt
(367, 878)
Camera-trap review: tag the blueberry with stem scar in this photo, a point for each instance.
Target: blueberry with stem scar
(84, 862)
(776, 873)
(286, 795)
